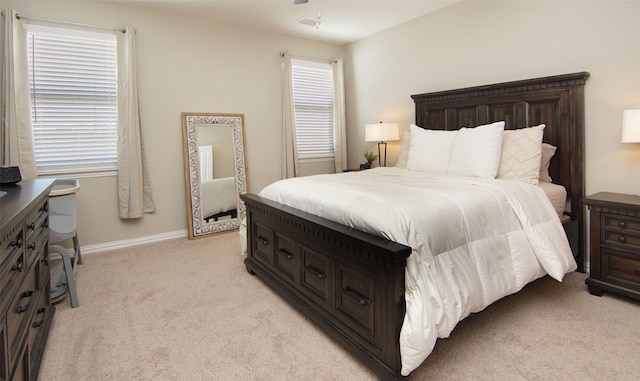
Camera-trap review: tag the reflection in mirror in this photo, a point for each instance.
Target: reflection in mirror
(214, 171)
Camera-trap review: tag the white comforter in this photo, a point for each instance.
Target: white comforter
(474, 241)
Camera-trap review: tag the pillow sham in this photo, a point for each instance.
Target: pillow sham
(404, 149)
(429, 150)
(547, 153)
(521, 154)
(476, 151)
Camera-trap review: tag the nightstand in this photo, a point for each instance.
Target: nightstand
(615, 244)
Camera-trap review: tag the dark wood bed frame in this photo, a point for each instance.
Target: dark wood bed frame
(350, 283)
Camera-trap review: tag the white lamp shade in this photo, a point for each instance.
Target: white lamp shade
(381, 132)
(631, 126)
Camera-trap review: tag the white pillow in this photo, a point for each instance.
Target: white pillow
(404, 150)
(521, 154)
(476, 151)
(429, 149)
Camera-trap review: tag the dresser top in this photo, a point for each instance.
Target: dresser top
(20, 196)
(613, 199)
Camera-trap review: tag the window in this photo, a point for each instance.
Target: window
(73, 85)
(313, 108)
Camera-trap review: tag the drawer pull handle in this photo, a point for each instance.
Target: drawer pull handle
(622, 224)
(17, 243)
(264, 241)
(622, 239)
(17, 267)
(37, 324)
(22, 309)
(287, 253)
(31, 226)
(315, 272)
(355, 296)
(27, 294)
(638, 271)
(32, 246)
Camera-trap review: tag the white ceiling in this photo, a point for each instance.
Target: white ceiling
(343, 21)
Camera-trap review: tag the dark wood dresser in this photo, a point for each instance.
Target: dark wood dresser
(26, 312)
(615, 244)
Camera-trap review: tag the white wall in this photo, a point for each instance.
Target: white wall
(480, 42)
(184, 64)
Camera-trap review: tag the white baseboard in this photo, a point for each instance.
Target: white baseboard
(101, 247)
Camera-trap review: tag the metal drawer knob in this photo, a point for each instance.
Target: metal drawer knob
(622, 239)
(622, 224)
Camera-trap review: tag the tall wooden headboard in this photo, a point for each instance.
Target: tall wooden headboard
(557, 101)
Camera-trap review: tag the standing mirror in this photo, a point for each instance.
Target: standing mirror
(215, 176)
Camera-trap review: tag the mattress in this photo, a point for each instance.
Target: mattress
(557, 195)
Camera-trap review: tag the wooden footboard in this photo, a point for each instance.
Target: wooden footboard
(348, 282)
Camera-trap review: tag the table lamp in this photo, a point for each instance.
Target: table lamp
(381, 133)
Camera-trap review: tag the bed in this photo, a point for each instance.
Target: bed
(219, 198)
(357, 284)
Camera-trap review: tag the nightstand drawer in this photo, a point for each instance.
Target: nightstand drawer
(621, 231)
(618, 222)
(621, 268)
(621, 239)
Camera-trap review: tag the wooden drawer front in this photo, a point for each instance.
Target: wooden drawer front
(11, 274)
(263, 243)
(621, 231)
(318, 278)
(20, 369)
(621, 268)
(18, 315)
(354, 301)
(37, 220)
(36, 325)
(287, 257)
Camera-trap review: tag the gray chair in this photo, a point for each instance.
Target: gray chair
(62, 227)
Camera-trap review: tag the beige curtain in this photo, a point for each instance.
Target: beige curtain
(17, 134)
(134, 191)
(339, 123)
(290, 162)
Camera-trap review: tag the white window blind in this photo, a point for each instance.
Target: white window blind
(313, 108)
(73, 84)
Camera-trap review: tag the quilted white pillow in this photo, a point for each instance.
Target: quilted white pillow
(429, 150)
(476, 151)
(521, 154)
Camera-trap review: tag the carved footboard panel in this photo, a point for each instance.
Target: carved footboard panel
(348, 282)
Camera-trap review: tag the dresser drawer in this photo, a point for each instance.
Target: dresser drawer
(12, 271)
(36, 325)
(19, 312)
(318, 280)
(621, 268)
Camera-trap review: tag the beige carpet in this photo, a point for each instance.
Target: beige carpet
(188, 310)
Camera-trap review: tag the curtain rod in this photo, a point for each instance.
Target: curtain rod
(19, 16)
(333, 60)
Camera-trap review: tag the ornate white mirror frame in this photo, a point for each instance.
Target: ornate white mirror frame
(199, 223)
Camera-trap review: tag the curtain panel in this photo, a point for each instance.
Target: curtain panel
(339, 121)
(17, 133)
(134, 190)
(290, 162)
